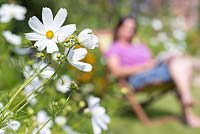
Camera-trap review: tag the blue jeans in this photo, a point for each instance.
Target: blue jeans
(160, 73)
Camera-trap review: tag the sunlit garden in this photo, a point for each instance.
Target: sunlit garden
(55, 77)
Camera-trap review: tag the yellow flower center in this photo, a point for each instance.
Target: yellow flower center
(49, 34)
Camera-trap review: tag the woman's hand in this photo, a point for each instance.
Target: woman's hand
(149, 65)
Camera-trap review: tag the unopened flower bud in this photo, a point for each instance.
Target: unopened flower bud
(30, 110)
(86, 111)
(73, 86)
(81, 104)
(40, 55)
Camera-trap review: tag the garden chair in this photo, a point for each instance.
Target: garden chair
(155, 91)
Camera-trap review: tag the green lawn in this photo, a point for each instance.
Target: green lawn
(124, 121)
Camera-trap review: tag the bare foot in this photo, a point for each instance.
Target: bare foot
(193, 121)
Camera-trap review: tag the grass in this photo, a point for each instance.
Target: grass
(124, 121)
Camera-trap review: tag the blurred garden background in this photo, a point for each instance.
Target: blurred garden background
(164, 25)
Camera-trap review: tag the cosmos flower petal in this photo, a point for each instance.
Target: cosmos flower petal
(85, 31)
(12, 38)
(88, 39)
(51, 46)
(93, 101)
(79, 54)
(20, 12)
(95, 126)
(101, 123)
(34, 36)
(59, 18)
(47, 73)
(2, 131)
(9, 11)
(99, 118)
(65, 31)
(82, 66)
(5, 19)
(42, 117)
(36, 25)
(63, 84)
(98, 110)
(93, 43)
(47, 17)
(105, 118)
(22, 51)
(14, 125)
(60, 120)
(41, 44)
(69, 130)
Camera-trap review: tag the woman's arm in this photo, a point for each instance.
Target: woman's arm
(119, 71)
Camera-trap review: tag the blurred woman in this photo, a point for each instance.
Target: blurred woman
(135, 63)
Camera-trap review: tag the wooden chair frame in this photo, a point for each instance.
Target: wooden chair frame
(138, 107)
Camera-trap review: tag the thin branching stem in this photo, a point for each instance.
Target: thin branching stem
(5, 109)
(43, 126)
(44, 83)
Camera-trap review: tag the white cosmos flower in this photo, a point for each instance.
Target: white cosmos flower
(34, 84)
(12, 38)
(99, 118)
(2, 131)
(28, 71)
(179, 34)
(69, 130)
(88, 39)
(9, 11)
(157, 24)
(15, 40)
(43, 131)
(60, 120)
(14, 125)
(162, 37)
(46, 73)
(62, 84)
(50, 32)
(41, 118)
(32, 100)
(78, 54)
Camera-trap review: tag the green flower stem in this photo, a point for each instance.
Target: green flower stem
(50, 118)
(69, 50)
(19, 91)
(43, 125)
(61, 107)
(2, 113)
(44, 83)
(23, 104)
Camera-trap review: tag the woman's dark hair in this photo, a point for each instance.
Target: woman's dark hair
(120, 23)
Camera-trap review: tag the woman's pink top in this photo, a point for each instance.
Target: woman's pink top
(129, 55)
